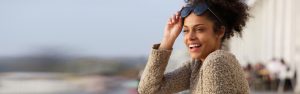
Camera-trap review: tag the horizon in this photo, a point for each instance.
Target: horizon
(84, 28)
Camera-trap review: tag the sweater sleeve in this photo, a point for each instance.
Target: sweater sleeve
(223, 75)
(153, 79)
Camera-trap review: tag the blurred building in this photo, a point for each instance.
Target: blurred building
(270, 33)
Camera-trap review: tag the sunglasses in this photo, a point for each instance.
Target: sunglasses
(199, 9)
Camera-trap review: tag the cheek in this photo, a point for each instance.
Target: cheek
(203, 37)
(207, 39)
(185, 39)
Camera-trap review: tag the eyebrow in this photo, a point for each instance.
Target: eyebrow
(194, 25)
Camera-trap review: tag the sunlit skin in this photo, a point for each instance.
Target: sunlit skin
(198, 30)
(199, 36)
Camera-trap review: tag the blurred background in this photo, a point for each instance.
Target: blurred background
(101, 46)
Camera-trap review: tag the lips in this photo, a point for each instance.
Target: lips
(194, 47)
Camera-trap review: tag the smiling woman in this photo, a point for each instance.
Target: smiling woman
(206, 24)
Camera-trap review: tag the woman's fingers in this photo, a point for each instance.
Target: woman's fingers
(170, 21)
(177, 15)
(180, 20)
(174, 18)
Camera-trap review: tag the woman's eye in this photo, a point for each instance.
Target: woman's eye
(185, 31)
(200, 29)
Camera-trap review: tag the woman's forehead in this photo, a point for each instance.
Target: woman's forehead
(194, 20)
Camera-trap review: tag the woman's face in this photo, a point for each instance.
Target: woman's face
(199, 36)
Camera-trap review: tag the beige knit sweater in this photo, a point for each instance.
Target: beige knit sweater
(220, 73)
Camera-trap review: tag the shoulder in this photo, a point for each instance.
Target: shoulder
(221, 59)
(223, 73)
(220, 54)
(222, 63)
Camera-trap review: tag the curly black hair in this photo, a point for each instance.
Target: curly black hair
(233, 13)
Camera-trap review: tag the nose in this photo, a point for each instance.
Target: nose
(191, 35)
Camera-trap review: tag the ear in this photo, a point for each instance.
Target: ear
(221, 33)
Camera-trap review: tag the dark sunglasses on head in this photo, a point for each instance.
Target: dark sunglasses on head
(198, 9)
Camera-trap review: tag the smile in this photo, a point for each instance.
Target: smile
(194, 46)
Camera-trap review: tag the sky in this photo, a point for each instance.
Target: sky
(104, 28)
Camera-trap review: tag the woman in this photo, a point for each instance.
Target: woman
(206, 24)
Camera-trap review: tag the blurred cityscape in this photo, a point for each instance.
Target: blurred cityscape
(57, 74)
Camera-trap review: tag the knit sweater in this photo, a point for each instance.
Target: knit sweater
(219, 73)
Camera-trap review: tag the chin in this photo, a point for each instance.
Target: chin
(195, 56)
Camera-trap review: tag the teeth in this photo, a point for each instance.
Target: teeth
(194, 45)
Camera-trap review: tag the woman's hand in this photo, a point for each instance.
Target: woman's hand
(171, 32)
